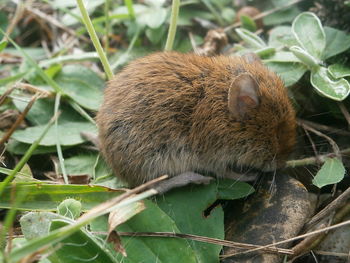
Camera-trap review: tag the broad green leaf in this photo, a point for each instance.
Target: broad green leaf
(187, 206)
(150, 249)
(3, 45)
(81, 164)
(339, 71)
(73, 16)
(69, 208)
(90, 164)
(35, 52)
(155, 2)
(19, 148)
(265, 52)
(282, 16)
(37, 224)
(25, 175)
(282, 36)
(231, 189)
(81, 84)
(80, 246)
(155, 35)
(250, 38)
(69, 134)
(331, 172)
(305, 57)
(188, 12)
(337, 42)
(309, 33)
(248, 23)
(6, 171)
(43, 110)
(12, 78)
(228, 14)
(148, 17)
(87, 56)
(64, 232)
(327, 86)
(46, 197)
(283, 56)
(290, 73)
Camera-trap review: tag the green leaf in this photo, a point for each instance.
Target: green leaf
(265, 52)
(155, 35)
(80, 164)
(148, 17)
(231, 189)
(19, 148)
(282, 16)
(36, 116)
(188, 12)
(155, 2)
(69, 134)
(305, 57)
(331, 172)
(283, 56)
(337, 42)
(228, 14)
(250, 38)
(46, 197)
(3, 45)
(186, 206)
(282, 36)
(248, 23)
(290, 73)
(339, 71)
(309, 33)
(153, 249)
(87, 56)
(82, 84)
(327, 86)
(90, 164)
(37, 224)
(80, 246)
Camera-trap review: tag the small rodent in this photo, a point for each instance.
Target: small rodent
(169, 113)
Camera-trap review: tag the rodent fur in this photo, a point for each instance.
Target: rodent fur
(168, 113)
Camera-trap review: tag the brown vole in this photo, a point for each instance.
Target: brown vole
(168, 113)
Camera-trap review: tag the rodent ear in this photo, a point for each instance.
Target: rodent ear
(251, 57)
(243, 95)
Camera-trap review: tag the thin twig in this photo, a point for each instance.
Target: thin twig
(331, 207)
(345, 112)
(313, 241)
(308, 243)
(261, 15)
(324, 127)
(14, 20)
(56, 23)
(312, 144)
(204, 239)
(291, 239)
(6, 93)
(313, 160)
(329, 139)
(19, 120)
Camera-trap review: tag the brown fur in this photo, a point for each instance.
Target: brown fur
(167, 113)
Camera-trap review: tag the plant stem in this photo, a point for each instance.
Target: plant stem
(107, 25)
(130, 6)
(314, 160)
(58, 144)
(173, 24)
(95, 39)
